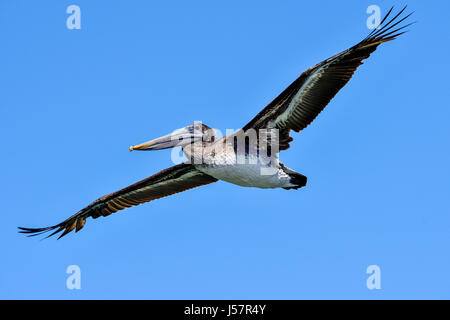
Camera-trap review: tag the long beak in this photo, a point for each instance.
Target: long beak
(179, 137)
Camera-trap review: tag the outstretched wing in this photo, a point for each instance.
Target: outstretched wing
(298, 105)
(162, 184)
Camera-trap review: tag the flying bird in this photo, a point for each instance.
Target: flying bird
(250, 156)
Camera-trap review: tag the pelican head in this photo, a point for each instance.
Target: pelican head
(180, 137)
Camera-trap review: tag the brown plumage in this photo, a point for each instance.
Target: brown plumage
(300, 103)
(162, 184)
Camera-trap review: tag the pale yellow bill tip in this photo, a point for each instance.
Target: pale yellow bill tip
(131, 148)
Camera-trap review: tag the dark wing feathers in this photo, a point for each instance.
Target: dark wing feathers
(297, 106)
(164, 183)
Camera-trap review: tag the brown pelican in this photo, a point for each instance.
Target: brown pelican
(248, 157)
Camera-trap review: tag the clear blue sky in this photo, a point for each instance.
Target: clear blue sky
(377, 159)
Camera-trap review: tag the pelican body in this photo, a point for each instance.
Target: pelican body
(236, 158)
(250, 156)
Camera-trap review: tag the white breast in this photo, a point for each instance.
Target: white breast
(248, 175)
(251, 171)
